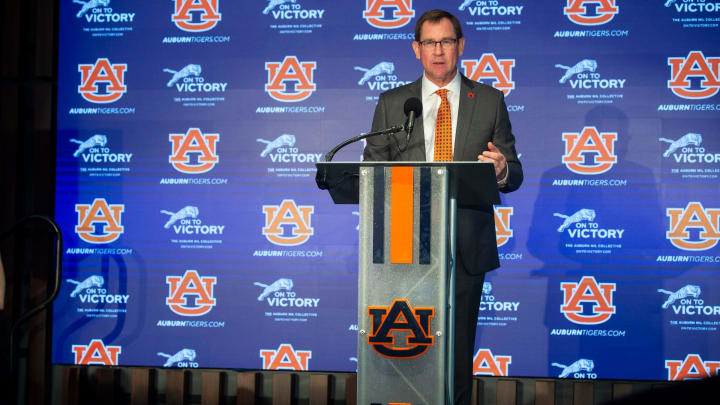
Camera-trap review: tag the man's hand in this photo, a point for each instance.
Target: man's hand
(498, 160)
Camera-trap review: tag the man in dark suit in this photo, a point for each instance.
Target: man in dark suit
(480, 127)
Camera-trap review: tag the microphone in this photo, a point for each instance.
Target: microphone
(413, 108)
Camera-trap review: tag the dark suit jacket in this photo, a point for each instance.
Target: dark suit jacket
(482, 118)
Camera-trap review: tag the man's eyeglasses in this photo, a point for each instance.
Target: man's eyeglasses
(446, 43)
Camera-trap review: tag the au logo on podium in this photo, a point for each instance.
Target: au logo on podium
(389, 323)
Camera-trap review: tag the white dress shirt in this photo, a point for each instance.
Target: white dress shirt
(431, 104)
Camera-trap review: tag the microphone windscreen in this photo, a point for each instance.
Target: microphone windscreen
(413, 104)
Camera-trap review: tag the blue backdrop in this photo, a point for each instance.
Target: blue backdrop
(195, 236)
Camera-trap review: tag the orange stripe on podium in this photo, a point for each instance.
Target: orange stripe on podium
(401, 215)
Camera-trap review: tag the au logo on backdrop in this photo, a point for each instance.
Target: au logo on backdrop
(492, 15)
(96, 158)
(587, 291)
(693, 367)
(600, 147)
(99, 19)
(587, 304)
(96, 353)
(504, 231)
(591, 14)
(102, 82)
(703, 222)
(495, 72)
(387, 15)
(487, 363)
(191, 295)
(190, 284)
(694, 65)
(290, 81)
(102, 72)
(400, 15)
(194, 152)
(285, 357)
(196, 17)
(694, 77)
(99, 222)
(288, 225)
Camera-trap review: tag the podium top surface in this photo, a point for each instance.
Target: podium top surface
(474, 182)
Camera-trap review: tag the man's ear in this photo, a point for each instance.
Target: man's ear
(416, 48)
(461, 46)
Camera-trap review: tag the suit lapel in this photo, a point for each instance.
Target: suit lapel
(416, 150)
(465, 109)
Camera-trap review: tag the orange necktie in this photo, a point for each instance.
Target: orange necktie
(443, 130)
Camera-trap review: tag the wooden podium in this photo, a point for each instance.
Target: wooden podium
(406, 273)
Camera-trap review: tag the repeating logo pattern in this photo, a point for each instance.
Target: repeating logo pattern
(589, 152)
(578, 11)
(99, 222)
(503, 231)
(190, 284)
(694, 65)
(201, 146)
(102, 82)
(691, 368)
(487, 363)
(288, 224)
(285, 357)
(290, 71)
(402, 12)
(693, 217)
(498, 72)
(96, 352)
(196, 15)
(597, 297)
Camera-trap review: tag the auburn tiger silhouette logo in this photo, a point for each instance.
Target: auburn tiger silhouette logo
(695, 64)
(188, 285)
(486, 363)
(194, 143)
(196, 15)
(415, 337)
(290, 70)
(288, 224)
(503, 232)
(96, 353)
(578, 11)
(102, 82)
(587, 302)
(693, 216)
(401, 13)
(285, 357)
(489, 67)
(589, 152)
(691, 368)
(99, 222)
